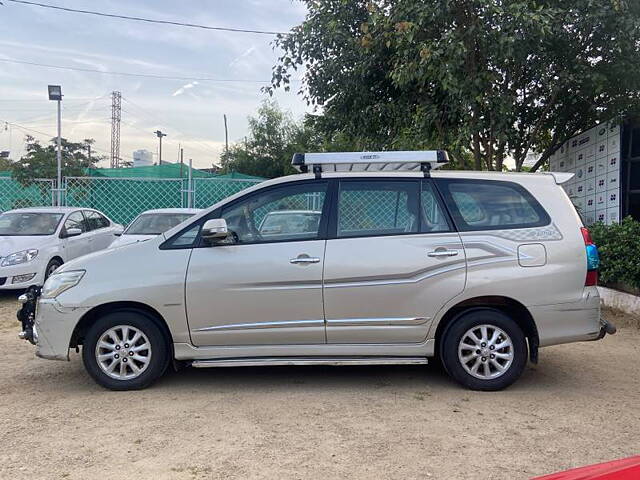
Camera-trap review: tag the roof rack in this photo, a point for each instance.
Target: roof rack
(417, 161)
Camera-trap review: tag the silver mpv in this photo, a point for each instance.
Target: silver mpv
(375, 258)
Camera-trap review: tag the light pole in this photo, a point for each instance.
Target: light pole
(159, 134)
(55, 94)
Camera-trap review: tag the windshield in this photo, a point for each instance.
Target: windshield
(155, 223)
(29, 223)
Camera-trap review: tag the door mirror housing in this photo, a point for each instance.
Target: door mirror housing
(72, 232)
(215, 229)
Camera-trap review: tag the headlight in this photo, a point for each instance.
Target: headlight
(61, 282)
(20, 257)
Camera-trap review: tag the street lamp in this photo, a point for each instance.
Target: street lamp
(55, 94)
(159, 134)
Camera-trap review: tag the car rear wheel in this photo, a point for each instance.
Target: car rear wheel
(125, 350)
(484, 349)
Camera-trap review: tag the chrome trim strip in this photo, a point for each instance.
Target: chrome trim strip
(253, 362)
(260, 325)
(366, 322)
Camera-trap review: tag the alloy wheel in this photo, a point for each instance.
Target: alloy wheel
(123, 352)
(485, 352)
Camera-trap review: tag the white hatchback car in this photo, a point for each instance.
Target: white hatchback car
(479, 269)
(152, 223)
(36, 241)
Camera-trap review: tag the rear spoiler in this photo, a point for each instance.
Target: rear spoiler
(561, 177)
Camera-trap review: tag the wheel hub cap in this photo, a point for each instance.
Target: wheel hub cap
(485, 352)
(123, 352)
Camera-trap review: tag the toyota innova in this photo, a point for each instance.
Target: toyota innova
(394, 263)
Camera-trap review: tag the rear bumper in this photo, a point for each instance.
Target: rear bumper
(570, 322)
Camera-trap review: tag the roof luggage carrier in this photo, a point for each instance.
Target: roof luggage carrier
(424, 161)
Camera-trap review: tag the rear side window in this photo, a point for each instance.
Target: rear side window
(369, 208)
(95, 221)
(491, 205)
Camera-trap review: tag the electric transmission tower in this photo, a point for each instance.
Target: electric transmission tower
(116, 112)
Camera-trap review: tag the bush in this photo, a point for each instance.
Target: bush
(619, 248)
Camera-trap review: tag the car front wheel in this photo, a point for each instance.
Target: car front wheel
(484, 349)
(125, 350)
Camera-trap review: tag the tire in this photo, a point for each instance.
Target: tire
(146, 352)
(51, 266)
(495, 368)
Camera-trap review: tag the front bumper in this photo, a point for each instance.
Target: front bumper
(52, 328)
(9, 280)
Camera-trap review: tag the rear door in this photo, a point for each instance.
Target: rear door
(80, 244)
(101, 233)
(393, 262)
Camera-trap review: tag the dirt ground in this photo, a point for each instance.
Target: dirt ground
(580, 405)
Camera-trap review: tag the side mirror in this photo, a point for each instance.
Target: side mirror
(215, 229)
(117, 234)
(73, 232)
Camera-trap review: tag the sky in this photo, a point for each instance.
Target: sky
(189, 112)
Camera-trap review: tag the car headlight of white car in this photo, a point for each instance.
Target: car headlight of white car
(23, 256)
(61, 282)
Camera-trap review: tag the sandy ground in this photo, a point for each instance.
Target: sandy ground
(580, 405)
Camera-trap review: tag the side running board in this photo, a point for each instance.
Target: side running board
(271, 361)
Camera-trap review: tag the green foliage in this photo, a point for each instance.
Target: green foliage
(485, 79)
(273, 139)
(41, 161)
(619, 246)
(5, 164)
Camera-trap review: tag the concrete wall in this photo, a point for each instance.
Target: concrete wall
(620, 300)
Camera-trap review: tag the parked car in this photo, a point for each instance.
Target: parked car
(625, 469)
(479, 269)
(152, 223)
(289, 222)
(36, 241)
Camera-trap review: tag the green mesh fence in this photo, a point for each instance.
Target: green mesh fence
(122, 199)
(208, 191)
(14, 195)
(372, 209)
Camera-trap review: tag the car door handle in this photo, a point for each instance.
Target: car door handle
(443, 253)
(303, 260)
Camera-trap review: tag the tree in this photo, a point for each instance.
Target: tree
(5, 164)
(273, 139)
(486, 79)
(41, 162)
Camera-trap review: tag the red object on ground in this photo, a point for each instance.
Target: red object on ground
(625, 469)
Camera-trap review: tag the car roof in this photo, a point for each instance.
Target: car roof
(172, 210)
(62, 210)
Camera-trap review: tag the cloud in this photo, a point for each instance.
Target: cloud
(184, 88)
(244, 54)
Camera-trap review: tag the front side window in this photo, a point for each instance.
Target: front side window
(492, 205)
(29, 223)
(288, 213)
(155, 223)
(369, 208)
(75, 220)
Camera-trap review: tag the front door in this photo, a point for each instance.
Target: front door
(262, 285)
(395, 261)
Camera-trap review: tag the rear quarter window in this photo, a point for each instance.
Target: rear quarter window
(491, 205)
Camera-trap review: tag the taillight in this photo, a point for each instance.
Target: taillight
(593, 259)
